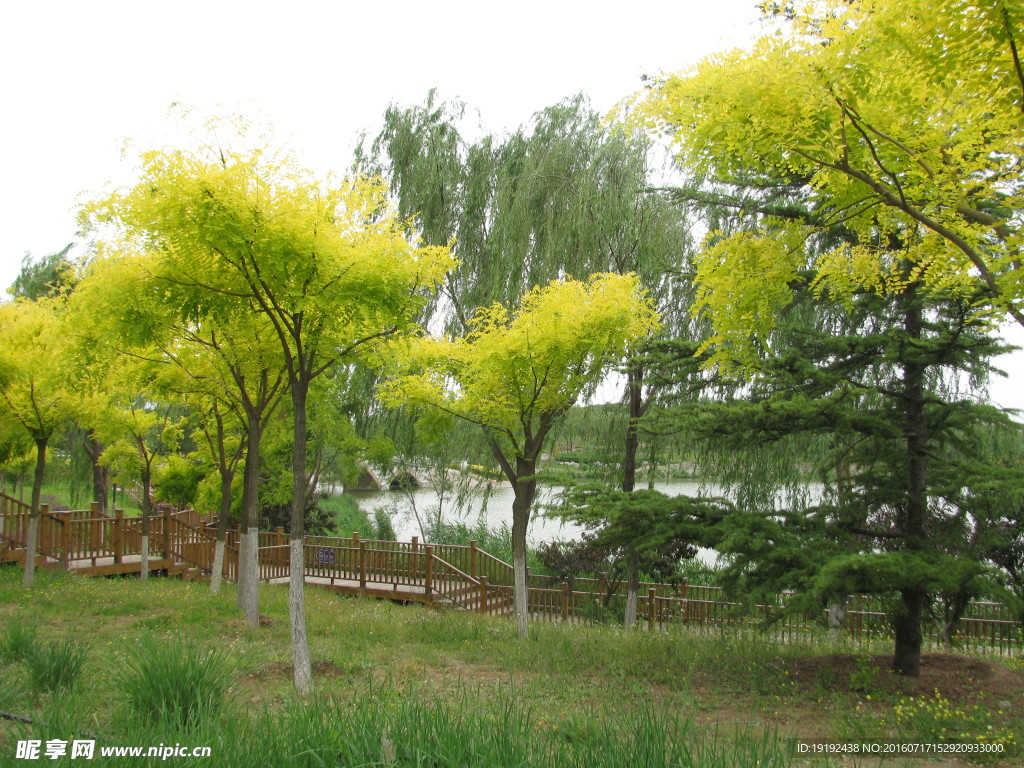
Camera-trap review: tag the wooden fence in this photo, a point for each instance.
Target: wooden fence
(464, 576)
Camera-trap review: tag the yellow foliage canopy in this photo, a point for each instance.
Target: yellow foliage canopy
(516, 371)
(35, 388)
(905, 123)
(322, 259)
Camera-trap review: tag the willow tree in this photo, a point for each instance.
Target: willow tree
(329, 265)
(36, 390)
(904, 118)
(516, 372)
(565, 194)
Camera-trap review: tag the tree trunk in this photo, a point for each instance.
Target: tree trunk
(296, 581)
(836, 616)
(954, 610)
(144, 557)
(216, 575)
(524, 490)
(93, 449)
(632, 594)
(32, 537)
(248, 552)
(634, 381)
(907, 628)
(907, 622)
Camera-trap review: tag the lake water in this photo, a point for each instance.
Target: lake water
(498, 509)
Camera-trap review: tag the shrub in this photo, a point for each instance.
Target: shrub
(383, 529)
(182, 683)
(56, 665)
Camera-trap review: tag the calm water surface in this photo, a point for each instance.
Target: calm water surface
(495, 508)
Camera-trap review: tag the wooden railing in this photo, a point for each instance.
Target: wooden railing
(465, 576)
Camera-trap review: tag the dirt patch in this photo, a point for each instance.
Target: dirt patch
(958, 678)
(280, 669)
(241, 624)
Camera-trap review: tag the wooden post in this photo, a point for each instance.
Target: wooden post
(428, 569)
(565, 601)
(165, 535)
(415, 560)
(652, 596)
(65, 535)
(684, 605)
(482, 608)
(95, 530)
(472, 558)
(362, 564)
(117, 535)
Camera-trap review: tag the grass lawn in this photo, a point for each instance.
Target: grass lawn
(404, 685)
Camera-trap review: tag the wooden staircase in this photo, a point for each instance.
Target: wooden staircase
(181, 544)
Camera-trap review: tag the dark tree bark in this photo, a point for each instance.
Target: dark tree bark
(907, 622)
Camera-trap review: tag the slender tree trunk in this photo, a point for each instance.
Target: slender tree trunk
(634, 381)
(632, 593)
(954, 610)
(836, 616)
(32, 537)
(93, 449)
(144, 557)
(525, 491)
(226, 476)
(907, 622)
(296, 581)
(248, 555)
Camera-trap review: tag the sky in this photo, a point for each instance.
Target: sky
(79, 79)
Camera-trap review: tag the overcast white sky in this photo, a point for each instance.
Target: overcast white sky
(80, 77)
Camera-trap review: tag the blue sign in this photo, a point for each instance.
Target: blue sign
(325, 556)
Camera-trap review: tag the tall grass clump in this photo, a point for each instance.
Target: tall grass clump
(56, 665)
(498, 729)
(17, 641)
(176, 682)
(10, 690)
(494, 541)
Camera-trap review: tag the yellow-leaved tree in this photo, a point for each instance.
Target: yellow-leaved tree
(328, 263)
(900, 123)
(36, 390)
(517, 371)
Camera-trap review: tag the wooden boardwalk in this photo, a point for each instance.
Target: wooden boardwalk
(462, 577)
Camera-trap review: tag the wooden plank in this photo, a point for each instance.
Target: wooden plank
(396, 595)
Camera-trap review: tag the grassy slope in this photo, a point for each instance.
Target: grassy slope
(568, 686)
